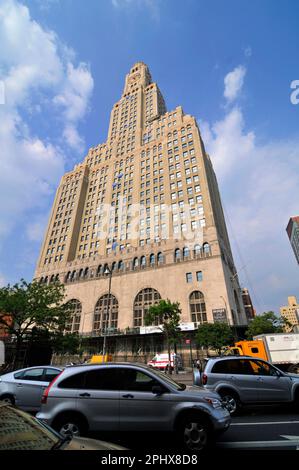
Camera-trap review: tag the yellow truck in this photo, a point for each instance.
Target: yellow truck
(97, 358)
(280, 349)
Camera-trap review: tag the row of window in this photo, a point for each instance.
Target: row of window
(107, 309)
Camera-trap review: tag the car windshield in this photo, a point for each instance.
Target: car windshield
(166, 378)
(20, 431)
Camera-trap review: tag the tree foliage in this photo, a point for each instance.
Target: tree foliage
(268, 322)
(168, 315)
(27, 305)
(214, 336)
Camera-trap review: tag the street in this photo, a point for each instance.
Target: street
(257, 428)
(260, 427)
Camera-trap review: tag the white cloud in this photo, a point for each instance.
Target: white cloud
(259, 186)
(233, 83)
(36, 70)
(72, 137)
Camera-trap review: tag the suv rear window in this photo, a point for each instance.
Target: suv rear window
(220, 367)
(74, 381)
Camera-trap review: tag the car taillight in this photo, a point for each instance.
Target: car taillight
(46, 392)
(204, 379)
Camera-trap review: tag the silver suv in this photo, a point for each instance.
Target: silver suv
(132, 397)
(247, 380)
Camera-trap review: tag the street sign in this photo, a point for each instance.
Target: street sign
(188, 341)
(219, 315)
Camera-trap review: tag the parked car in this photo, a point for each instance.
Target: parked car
(25, 387)
(131, 397)
(242, 380)
(21, 431)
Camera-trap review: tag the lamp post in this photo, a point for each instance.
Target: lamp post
(108, 272)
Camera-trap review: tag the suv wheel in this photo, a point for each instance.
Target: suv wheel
(231, 401)
(70, 425)
(194, 433)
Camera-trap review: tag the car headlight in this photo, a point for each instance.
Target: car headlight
(214, 402)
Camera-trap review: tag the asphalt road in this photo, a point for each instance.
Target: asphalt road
(257, 428)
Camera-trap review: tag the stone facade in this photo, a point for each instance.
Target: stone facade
(145, 204)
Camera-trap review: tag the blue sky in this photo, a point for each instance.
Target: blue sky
(230, 64)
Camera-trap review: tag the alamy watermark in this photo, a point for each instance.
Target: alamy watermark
(295, 94)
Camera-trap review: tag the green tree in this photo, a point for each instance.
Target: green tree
(214, 336)
(65, 342)
(268, 322)
(27, 305)
(168, 315)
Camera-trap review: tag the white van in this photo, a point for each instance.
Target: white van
(161, 361)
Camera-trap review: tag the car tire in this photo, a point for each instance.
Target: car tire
(194, 433)
(70, 425)
(231, 401)
(9, 399)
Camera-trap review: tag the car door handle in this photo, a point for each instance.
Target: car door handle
(84, 394)
(20, 385)
(128, 395)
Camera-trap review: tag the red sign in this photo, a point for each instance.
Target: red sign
(188, 341)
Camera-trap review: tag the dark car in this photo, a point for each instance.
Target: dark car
(21, 431)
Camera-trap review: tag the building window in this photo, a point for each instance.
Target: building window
(177, 255)
(199, 276)
(101, 313)
(143, 301)
(189, 277)
(197, 307)
(73, 323)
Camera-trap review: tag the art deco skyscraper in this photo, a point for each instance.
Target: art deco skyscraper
(146, 204)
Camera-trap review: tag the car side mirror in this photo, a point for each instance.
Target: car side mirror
(157, 390)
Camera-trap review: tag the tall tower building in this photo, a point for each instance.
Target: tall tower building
(293, 234)
(145, 204)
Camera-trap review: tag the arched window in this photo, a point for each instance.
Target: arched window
(135, 263)
(46, 279)
(41, 280)
(67, 278)
(52, 278)
(86, 272)
(105, 313)
(206, 249)
(99, 270)
(160, 258)
(186, 252)
(121, 265)
(143, 300)
(143, 261)
(197, 307)
(152, 259)
(73, 276)
(113, 266)
(197, 250)
(81, 273)
(177, 254)
(73, 324)
(57, 277)
(105, 268)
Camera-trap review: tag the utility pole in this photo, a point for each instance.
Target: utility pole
(108, 271)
